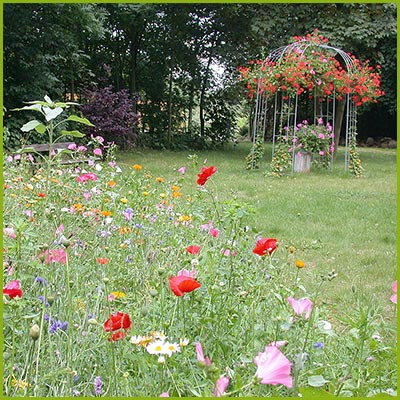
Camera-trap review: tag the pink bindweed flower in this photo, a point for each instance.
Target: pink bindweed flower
(200, 355)
(82, 149)
(301, 306)
(393, 298)
(182, 170)
(72, 146)
(97, 152)
(220, 386)
(273, 368)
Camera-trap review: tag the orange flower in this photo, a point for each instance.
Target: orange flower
(137, 167)
(111, 184)
(300, 264)
(159, 179)
(106, 213)
(124, 229)
(102, 261)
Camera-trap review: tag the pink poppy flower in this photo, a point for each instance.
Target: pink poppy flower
(301, 306)
(273, 368)
(220, 386)
(393, 298)
(13, 289)
(200, 355)
(193, 249)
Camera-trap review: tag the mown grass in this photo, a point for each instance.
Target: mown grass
(334, 220)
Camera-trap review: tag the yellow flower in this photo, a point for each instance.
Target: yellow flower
(124, 229)
(118, 295)
(185, 218)
(163, 195)
(300, 264)
(175, 188)
(79, 207)
(160, 179)
(106, 213)
(137, 167)
(176, 194)
(145, 193)
(291, 249)
(20, 384)
(124, 200)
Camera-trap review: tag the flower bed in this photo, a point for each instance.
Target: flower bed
(126, 284)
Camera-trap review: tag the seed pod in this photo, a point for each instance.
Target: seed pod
(34, 332)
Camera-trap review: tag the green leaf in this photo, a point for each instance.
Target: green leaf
(40, 129)
(30, 125)
(51, 113)
(76, 134)
(35, 107)
(317, 380)
(75, 118)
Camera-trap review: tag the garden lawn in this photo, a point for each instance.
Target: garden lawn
(334, 220)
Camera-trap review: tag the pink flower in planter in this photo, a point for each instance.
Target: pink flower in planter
(220, 386)
(393, 298)
(273, 368)
(301, 306)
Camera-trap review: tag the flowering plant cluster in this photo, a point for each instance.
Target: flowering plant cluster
(308, 67)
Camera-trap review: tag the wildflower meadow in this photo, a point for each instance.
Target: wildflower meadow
(121, 283)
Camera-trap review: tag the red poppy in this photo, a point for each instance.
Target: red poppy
(41, 194)
(182, 284)
(117, 336)
(193, 249)
(102, 260)
(264, 246)
(205, 174)
(13, 289)
(117, 321)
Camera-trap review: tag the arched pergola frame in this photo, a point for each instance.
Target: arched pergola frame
(286, 107)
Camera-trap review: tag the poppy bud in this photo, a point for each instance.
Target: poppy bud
(92, 321)
(153, 292)
(50, 299)
(34, 332)
(106, 280)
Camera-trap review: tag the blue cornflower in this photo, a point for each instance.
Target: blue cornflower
(42, 299)
(41, 281)
(318, 345)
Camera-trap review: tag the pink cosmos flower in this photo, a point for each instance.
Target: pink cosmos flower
(273, 368)
(9, 231)
(301, 306)
(182, 170)
(200, 355)
(86, 177)
(220, 386)
(393, 298)
(13, 289)
(214, 232)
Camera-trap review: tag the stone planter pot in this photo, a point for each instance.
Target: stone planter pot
(302, 162)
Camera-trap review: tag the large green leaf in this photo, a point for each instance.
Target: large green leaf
(40, 128)
(51, 113)
(73, 133)
(317, 380)
(75, 118)
(30, 125)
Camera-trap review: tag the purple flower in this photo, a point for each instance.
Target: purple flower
(97, 384)
(318, 345)
(41, 281)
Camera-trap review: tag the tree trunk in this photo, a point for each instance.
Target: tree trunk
(170, 107)
(202, 96)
